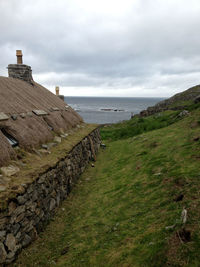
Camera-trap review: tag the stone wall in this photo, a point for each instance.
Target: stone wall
(27, 214)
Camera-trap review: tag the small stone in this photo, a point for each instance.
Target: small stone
(103, 146)
(22, 115)
(11, 207)
(183, 113)
(170, 227)
(14, 117)
(157, 174)
(2, 235)
(44, 146)
(57, 139)
(10, 257)
(19, 210)
(50, 145)
(40, 112)
(52, 204)
(26, 241)
(21, 200)
(42, 179)
(18, 235)
(151, 243)
(3, 253)
(3, 116)
(15, 228)
(11, 242)
(20, 218)
(10, 170)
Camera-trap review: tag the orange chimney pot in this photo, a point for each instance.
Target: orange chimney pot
(19, 56)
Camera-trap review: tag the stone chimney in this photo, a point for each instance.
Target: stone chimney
(20, 70)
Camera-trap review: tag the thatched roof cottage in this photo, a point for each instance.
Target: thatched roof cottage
(29, 114)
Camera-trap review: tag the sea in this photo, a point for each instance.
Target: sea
(105, 110)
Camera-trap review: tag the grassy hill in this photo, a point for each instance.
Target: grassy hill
(126, 211)
(179, 101)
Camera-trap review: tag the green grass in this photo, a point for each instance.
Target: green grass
(118, 213)
(181, 104)
(139, 125)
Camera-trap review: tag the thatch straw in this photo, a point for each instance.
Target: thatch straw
(16, 97)
(6, 151)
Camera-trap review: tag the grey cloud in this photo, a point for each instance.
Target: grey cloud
(152, 40)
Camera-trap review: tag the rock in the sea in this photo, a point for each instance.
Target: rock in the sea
(10, 170)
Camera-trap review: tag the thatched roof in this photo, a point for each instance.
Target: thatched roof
(18, 100)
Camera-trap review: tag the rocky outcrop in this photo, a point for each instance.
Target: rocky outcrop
(176, 102)
(26, 213)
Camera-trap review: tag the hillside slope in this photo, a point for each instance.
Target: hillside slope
(177, 102)
(126, 211)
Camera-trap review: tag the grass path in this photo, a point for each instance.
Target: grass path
(118, 213)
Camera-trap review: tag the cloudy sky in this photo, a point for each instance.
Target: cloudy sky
(105, 47)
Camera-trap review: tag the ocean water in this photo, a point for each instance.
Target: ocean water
(109, 109)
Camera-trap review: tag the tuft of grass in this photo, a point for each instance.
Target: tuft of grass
(120, 212)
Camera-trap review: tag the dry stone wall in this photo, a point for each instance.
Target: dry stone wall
(27, 214)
